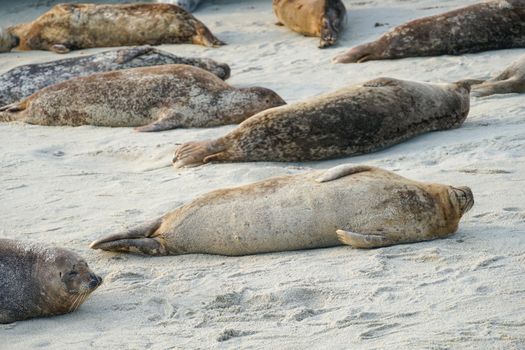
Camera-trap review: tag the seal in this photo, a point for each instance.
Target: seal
(38, 281)
(321, 18)
(354, 120)
(154, 98)
(511, 80)
(491, 25)
(370, 207)
(68, 27)
(22, 81)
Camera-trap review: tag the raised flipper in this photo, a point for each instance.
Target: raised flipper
(358, 240)
(137, 240)
(168, 119)
(341, 171)
(59, 48)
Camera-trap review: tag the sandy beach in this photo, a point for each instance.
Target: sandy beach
(67, 186)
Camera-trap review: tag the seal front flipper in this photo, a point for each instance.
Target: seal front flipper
(59, 48)
(169, 120)
(341, 171)
(137, 240)
(126, 55)
(358, 240)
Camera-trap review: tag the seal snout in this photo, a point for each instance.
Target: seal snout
(465, 198)
(95, 282)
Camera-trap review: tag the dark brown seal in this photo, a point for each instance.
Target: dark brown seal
(355, 120)
(22, 81)
(154, 98)
(321, 18)
(511, 80)
(491, 25)
(68, 27)
(36, 281)
(362, 206)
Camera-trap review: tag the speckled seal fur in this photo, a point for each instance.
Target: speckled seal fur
(511, 80)
(321, 18)
(23, 81)
(75, 26)
(361, 206)
(491, 25)
(154, 98)
(38, 281)
(355, 120)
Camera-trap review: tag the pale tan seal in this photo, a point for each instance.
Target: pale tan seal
(355, 120)
(38, 281)
(68, 27)
(369, 206)
(321, 18)
(511, 80)
(151, 98)
(491, 25)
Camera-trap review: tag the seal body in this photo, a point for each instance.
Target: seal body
(321, 18)
(511, 80)
(491, 25)
(371, 207)
(23, 81)
(355, 120)
(37, 281)
(156, 98)
(68, 27)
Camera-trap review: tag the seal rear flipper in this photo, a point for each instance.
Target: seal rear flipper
(358, 240)
(357, 54)
(342, 171)
(195, 153)
(136, 240)
(12, 111)
(498, 87)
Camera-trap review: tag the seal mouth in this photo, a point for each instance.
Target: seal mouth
(464, 197)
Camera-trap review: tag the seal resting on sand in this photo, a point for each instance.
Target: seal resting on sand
(68, 27)
(512, 79)
(321, 18)
(491, 25)
(37, 281)
(361, 206)
(354, 120)
(154, 98)
(25, 80)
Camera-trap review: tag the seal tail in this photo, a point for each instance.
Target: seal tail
(138, 240)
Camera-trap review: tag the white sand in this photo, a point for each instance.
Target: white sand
(69, 186)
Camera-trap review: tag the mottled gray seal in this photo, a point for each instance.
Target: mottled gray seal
(154, 98)
(321, 18)
(36, 281)
(355, 120)
(492, 25)
(68, 27)
(369, 206)
(512, 79)
(23, 81)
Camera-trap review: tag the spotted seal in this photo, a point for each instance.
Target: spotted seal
(354, 120)
(491, 25)
(68, 27)
(362, 206)
(22, 81)
(321, 18)
(150, 98)
(38, 281)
